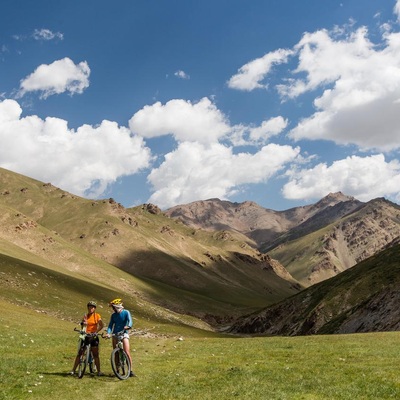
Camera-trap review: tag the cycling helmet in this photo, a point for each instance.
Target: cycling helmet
(92, 304)
(116, 302)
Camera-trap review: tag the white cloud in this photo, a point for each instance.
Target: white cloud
(186, 121)
(250, 75)
(363, 104)
(46, 34)
(182, 74)
(195, 171)
(202, 167)
(360, 83)
(267, 129)
(396, 9)
(59, 77)
(364, 178)
(83, 162)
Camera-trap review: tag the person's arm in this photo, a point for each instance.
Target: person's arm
(100, 325)
(110, 325)
(84, 322)
(128, 320)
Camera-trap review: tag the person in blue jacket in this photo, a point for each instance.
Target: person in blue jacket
(121, 320)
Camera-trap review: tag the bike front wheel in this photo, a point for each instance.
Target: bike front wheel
(83, 361)
(120, 363)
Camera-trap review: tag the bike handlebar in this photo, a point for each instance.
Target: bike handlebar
(86, 333)
(118, 334)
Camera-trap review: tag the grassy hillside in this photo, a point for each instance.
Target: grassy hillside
(138, 252)
(364, 298)
(54, 293)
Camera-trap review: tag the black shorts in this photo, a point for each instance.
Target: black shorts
(93, 340)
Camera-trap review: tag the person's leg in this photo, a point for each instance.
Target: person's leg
(77, 359)
(126, 345)
(75, 364)
(95, 352)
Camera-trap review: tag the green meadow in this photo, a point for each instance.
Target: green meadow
(38, 351)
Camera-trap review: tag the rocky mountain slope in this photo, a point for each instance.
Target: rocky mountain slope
(313, 242)
(262, 225)
(211, 275)
(342, 244)
(365, 298)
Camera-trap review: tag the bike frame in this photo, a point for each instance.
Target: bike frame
(85, 353)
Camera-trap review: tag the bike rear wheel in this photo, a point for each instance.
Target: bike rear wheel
(120, 363)
(83, 361)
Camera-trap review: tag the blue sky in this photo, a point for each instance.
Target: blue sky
(169, 102)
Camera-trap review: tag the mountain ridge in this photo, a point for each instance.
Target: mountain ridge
(312, 242)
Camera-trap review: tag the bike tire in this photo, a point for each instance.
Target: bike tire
(83, 361)
(120, 364)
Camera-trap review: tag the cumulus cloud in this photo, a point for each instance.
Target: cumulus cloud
(362, 177)
(186, 121)
(267, 129)
(195, 171)
(203, 165)
(200, 122)
(59, 77)
(397, 9)
(182, 74)
(363, 104)
(87, 160)
(250, 75)
(83, 162)
(359, 81)
(47, 34)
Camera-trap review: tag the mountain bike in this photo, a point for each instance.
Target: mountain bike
(120, 362)
(85, 353)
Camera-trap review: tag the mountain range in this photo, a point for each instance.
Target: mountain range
(313, 242)
(206, 264)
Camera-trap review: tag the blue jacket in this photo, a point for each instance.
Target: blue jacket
(119, 320)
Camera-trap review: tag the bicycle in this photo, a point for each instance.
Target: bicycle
(120, 362)
(85, 353)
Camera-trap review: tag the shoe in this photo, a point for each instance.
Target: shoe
(132, 374)
(71, 373)
(100, 374)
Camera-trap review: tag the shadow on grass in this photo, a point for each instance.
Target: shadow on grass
(111, 377)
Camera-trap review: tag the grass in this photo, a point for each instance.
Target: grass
(38, 350)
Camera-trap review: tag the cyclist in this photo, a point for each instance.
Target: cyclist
(91, 323)
(121, 320)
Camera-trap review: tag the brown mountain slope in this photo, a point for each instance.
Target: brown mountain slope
(262, 225)
(342, 244)
(313, 242)
(365, 298)
(179, 267)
